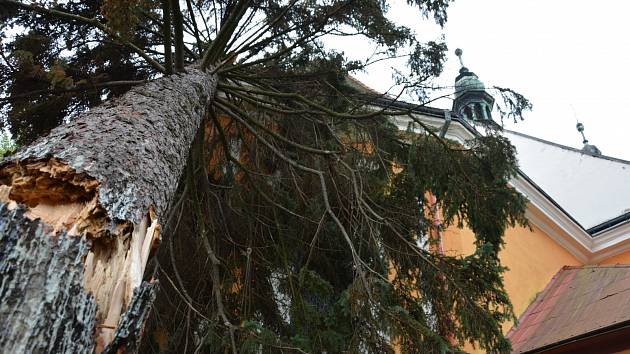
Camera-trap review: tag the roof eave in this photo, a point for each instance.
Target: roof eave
(544, 211)
(621, 327)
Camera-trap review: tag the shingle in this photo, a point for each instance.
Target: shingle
(577, 301)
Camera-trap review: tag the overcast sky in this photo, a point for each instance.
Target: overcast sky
(571, 58)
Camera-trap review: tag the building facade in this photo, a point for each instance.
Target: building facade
(579, 211)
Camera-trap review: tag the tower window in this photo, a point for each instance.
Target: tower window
(478, 112)
(468, 114)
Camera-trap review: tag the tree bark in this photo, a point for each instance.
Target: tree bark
(40, 273)
(100, 185)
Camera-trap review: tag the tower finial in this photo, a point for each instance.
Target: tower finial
(591, 149)
(580, 128)
(459, 53)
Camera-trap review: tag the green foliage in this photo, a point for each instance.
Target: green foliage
(292, 232)
(53, 68)
(123, 15)
(302, 289)
(7, 145)
(471, 183)
(514, 104)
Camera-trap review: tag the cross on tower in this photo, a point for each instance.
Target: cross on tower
(580, 128)
(459, 53)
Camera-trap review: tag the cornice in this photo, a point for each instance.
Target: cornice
(553, 222)
(456, 130)
(543, 211)
(611, 242)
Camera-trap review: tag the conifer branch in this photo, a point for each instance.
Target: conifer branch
(178, 30)
(191, 14)
(166, 29)
(358, 263)
(89, 21)
(217, 47)
(274, 134)
(75, 88)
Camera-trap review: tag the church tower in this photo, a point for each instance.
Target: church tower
(472, 102)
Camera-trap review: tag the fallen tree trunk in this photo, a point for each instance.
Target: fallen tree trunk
(101, 186)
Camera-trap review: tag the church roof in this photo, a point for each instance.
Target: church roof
(579, 303)
(593, 189)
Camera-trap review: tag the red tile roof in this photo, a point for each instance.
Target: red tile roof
(577, 301)
(353, 81)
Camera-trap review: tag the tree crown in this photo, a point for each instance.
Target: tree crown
(311, 216)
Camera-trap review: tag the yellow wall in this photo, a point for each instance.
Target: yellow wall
(532, 257)
(623, 258)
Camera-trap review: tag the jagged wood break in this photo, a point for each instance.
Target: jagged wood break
(99, 186)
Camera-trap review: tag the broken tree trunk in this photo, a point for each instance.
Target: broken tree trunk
(100, 187)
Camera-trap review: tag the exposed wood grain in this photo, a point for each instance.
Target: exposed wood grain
(97, 188)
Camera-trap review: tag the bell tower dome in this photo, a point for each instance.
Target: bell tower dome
(472, 102)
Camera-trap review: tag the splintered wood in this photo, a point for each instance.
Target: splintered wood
(67, 201)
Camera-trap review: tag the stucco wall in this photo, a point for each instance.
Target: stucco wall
(531, 256)
(623, 258)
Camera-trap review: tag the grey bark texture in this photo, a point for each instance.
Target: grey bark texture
(43, 305)
(135, 146)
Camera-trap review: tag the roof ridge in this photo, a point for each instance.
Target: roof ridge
(595, 266)
(570, 148)
(363, 86)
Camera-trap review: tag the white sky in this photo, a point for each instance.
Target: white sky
(571, 58)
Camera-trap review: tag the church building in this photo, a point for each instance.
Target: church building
(569, 275)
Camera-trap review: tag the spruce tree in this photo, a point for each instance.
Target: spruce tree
(203, 176)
